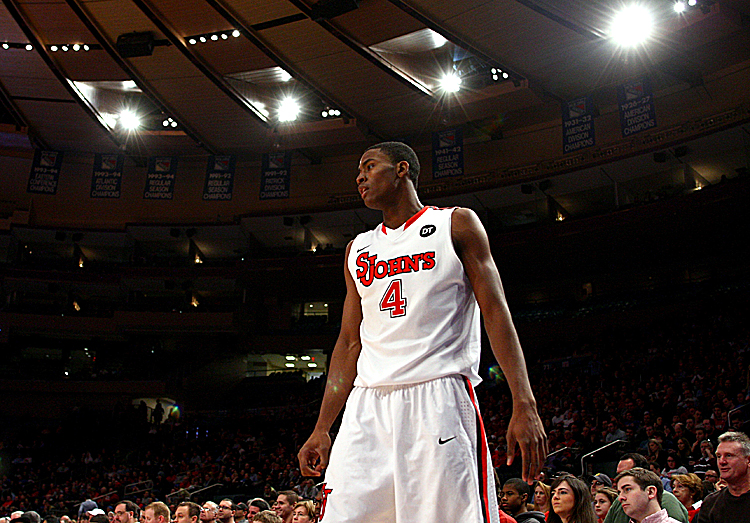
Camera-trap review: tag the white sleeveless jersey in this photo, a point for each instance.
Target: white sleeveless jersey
(420, 320)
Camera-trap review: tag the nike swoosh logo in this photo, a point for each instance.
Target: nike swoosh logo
(363, 248)
(442, 441)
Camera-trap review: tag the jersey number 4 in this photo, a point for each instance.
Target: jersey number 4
(393, 300)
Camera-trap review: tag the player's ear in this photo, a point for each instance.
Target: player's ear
(402, 169)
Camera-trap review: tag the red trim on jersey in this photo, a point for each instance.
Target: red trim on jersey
(482, 443)
(409, 221)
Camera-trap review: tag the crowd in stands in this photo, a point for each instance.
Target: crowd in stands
(666, 390)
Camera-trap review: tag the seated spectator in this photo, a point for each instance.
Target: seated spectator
(674, 508)
(284, 505)
(688, 488)
(674, 466)
(240, 513)
(707, 459)
(640, 495)
(656, 453)
(256, 505)
(541, 497)
(599, 480)
(731, 503)
(603, 499)
(304, 512)
(514, 501)
(683, 450)
(571, 501)
(209, 512)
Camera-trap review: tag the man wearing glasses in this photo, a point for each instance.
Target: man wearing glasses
(226, 511)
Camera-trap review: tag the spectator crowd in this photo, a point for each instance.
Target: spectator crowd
(665, 392)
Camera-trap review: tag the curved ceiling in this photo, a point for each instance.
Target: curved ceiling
(375, 63)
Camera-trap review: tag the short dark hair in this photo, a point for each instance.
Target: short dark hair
(194, 509)
(291, 496)
(643, 478)
(261, 503)
(400, 152)
(520, 486)
(638, 459)
(130, 507)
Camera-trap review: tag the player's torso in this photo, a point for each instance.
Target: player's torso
(420, 318)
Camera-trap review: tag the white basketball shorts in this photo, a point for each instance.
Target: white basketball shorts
(411, 453)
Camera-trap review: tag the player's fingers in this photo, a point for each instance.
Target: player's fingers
(510, 440)
(323, 454)
(306, 459)
(538, 454)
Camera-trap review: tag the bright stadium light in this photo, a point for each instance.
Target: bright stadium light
(632, 26)
(288, 110)
(680, 6)
(130, 120)
(451, 83)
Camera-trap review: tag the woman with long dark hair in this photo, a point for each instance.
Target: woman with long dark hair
(571, 501)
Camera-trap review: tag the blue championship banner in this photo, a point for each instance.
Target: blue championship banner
(107, 176)
(636, 102)
(447, 153)
(45, 172)
(160, 178)
(219, 178)
(274, 176)
(578, 124)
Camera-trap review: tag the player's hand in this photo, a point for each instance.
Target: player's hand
(313, 456)
(526, 430)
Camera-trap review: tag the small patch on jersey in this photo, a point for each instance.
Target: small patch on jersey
(427, 230)
(363, 248)
(442, 441)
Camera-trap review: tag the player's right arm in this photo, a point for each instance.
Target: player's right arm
(342, 369)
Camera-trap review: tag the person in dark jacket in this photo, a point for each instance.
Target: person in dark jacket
(514, 500)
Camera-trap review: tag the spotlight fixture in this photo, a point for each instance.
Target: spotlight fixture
(289, 110)
(29, 47)
(330, 113)
(130, 120)
(450, 83)
(680, 6)
(631, 26)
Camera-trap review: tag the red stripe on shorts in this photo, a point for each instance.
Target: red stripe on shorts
(482, 443)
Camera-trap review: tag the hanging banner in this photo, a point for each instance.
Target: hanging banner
(107, 176)
(636, 102)
(274, 176)
(160, 178)
(219, 178)
(578, 124)
(447, 153)
(45, 172)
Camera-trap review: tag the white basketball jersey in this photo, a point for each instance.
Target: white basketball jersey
(420, 320)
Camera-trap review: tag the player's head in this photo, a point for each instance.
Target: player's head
(400, 152)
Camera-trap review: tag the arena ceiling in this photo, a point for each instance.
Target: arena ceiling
(376, 62)
(207, 77)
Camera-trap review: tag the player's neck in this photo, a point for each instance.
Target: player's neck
(397, 214)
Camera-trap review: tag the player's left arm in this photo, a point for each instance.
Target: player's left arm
(525, 428)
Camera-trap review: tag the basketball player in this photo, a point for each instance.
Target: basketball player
(411, 445)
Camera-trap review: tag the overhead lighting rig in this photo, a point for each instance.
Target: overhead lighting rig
(213, 37)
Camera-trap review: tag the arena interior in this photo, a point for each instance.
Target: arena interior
(177, 192)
